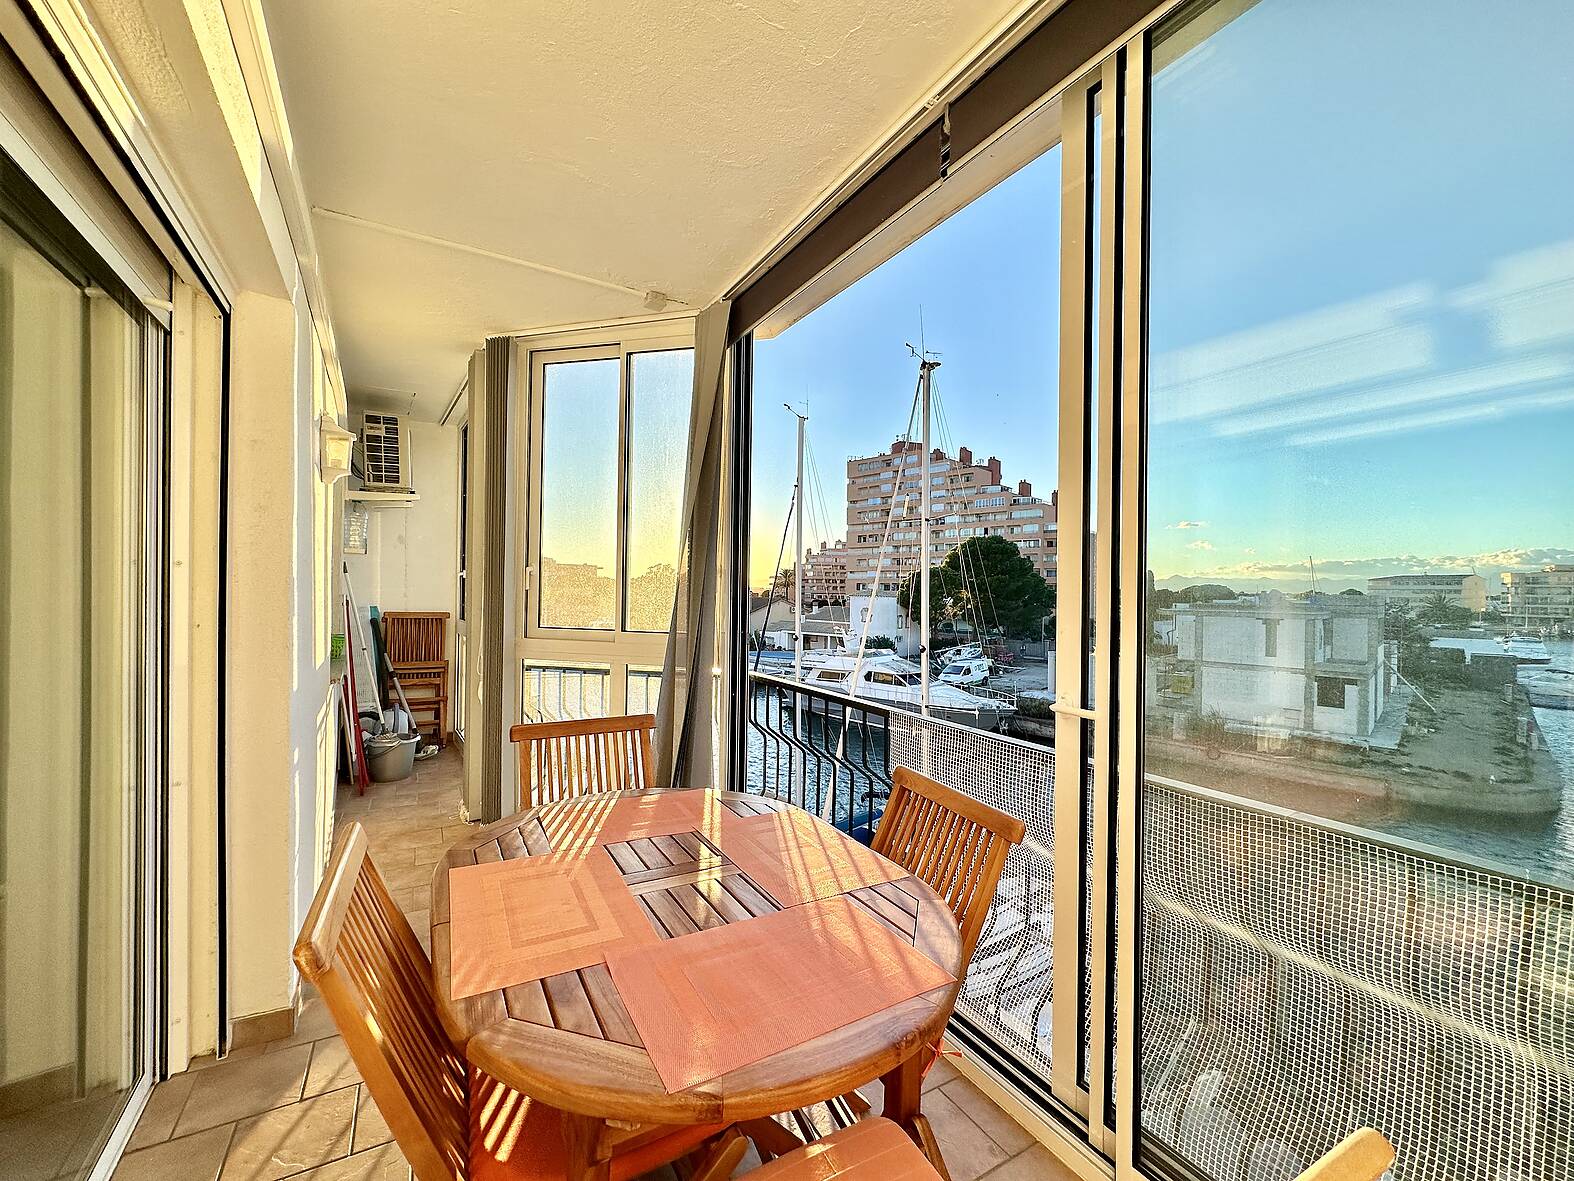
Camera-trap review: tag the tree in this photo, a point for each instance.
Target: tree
(1206, 592)
(1353, 591)
(1439, 609)
(1404, 634)
(988, 580)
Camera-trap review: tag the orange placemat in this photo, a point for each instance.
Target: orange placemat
(604, 820)
(512, 921)
(796, 859)
(731, 996)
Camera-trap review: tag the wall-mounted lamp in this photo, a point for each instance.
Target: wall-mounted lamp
(336, 444)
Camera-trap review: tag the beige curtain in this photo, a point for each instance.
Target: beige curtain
(691, 718)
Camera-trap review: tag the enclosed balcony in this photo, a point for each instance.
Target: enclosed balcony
(925, 590)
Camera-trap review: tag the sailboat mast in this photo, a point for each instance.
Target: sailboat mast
(926, 368)
(797, 565)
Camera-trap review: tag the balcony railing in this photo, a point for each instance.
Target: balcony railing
(1299, 976)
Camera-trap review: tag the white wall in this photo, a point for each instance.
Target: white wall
(412, 554)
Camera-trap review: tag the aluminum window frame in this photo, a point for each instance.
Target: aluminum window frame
(619, 648)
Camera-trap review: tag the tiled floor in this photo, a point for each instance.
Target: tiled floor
(296, 1108)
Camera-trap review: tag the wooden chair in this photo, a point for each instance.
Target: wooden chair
(870, 1150)
(1364, 1155)
(951, 841)
(956, 845)
(416, 648)
(415, 637)
(451, 1121)
(561, 760)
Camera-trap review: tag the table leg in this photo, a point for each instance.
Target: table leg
(583, 1160)
(904, 1094)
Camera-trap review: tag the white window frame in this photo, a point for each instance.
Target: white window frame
(618, 649)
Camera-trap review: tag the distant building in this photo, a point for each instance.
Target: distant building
(967, 499)
(825, 575)
(1540, 598)
(1311, 666)
(1468, 590)
(823, 629)
(883, 617)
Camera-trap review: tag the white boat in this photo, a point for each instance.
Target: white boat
(884, 679)
(1525, 649)
(966, 671)
(1550, 688)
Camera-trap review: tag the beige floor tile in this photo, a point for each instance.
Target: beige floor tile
(940, 1074)
(288, 1140)
(377, 1164)
(969, 1153)
(1036, 1164)
(421, 923)
(235, 1090)
(370, 1127)
(330, 1068)
(999, 1126)
(190, 1158)
(164, 1106)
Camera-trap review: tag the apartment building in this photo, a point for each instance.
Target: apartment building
(1540, 598)
(825, 575)
(1468, 590)
(967, 499)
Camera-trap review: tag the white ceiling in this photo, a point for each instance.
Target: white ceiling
(642, 144)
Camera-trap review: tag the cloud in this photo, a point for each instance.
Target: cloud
(1488, 564)
(1188, 525)
(1200, 544)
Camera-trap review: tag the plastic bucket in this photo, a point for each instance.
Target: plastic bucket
(390, 758)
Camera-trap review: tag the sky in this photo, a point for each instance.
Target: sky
(981, 290)
(1361, 307)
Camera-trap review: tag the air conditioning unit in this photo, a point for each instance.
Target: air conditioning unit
(385, 452)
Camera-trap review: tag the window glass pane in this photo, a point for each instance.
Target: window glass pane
(644, 690)
(70, 538)
(579, 495)
(661, 386)
(1360, 414)
(564, 692)
(980, 293)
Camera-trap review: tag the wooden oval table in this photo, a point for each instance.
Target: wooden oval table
(568, 1041)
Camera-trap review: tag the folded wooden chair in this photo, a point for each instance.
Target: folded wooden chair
(451, 1121)
(561, 760)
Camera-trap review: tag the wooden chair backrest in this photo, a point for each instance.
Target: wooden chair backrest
(364, 959)
(1364, 1155)
(954, 843)
(561, 760)
(415, 637)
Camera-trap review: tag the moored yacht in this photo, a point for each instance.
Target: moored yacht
(884, 679)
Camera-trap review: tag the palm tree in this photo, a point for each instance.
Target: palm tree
(1439, 609)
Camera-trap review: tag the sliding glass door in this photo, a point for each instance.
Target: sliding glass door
(81, 385)
(1299, 832)
(1356, 902)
